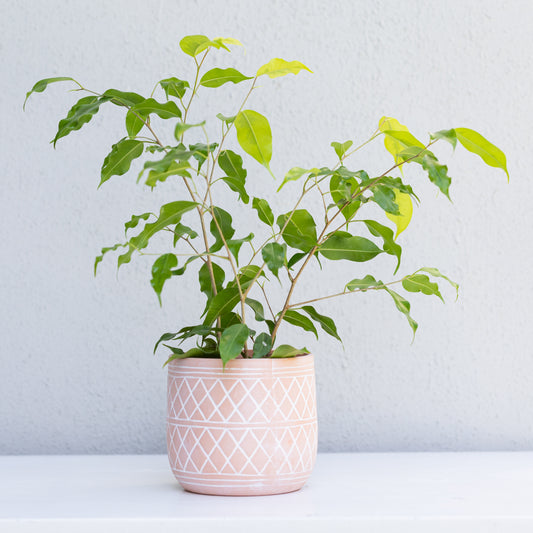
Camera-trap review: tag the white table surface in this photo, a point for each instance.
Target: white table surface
(369, 493)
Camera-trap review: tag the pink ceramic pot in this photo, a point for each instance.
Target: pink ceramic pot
(249, 430)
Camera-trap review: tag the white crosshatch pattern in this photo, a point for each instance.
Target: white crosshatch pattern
(242, 427)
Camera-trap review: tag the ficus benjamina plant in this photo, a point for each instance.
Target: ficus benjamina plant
(234, 269)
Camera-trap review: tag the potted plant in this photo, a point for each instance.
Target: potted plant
(241, 403)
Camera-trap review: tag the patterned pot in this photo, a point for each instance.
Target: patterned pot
(249, 430)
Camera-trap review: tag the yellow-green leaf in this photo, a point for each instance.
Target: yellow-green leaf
(394, 144)
(405, 206)
(279, 67)
(255, 136)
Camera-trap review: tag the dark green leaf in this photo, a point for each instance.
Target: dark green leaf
(385, 198)
(175, 169)
(274, 255)
(477, 144)
(118, 161)
(389, 245)
(295, 258)
(364, 284)
(341, 148)
(297, 319)
(404, 307)
(124, 99)
(165, 337)
(342, 245)
(254, 136)
(41, 85)
(342, 192)
(326, 323)
(161, 271)
(421, 283)
(200, 152)
(232, 342)
(138, 114)
(218, 76)
(284, 350)
(224, 302)
(220, 223)
(262, 345)
(438, 174)
(264, 212)
(257, 307)
(174, 87)
(231, 164)
(80, 113)
(204, 277)
(300, 230)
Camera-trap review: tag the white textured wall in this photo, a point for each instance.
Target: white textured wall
(77, 374)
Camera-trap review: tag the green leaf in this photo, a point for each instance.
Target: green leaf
(285, 350)
(342, 245)
(181, 230)
(201, 151)
(192, 45)
(227, 120)
(263, 211)
(295, 173)
(178, 153)
(231, 164)
(262, 345)
(174, 87)
(219, 76)
(223, 218)
(446, 135)
(297, 319)
(257, 307)
(405, 206)
(393, 144)
(247, 274)
(404, 307)
(300, 231)
(174, 169)
(118, 161)
(279, 67)
(134, 221)
(99, 258)
(41, 85)
(342, 191)
(437, 274)
(138, 114)
(232, 342)
(477, 144)
(364, 284)
(421, 283)
(438, 174)
(274, 255)
(224, 302)
(169, 214)
(123, 99)
(204, 279)
(181, 128)
(386, 199)
(341, 148)
(295, 258)
(235, 245)
(165, 337)
(389, 245)
(326, 323)
(254, 136)
(161, 271)
(80, 113)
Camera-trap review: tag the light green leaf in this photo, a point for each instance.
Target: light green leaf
(446, 135)
(389, 246)
(169, 214)
(326, 323)
(232, 342)
(405, 206)
(181, 128)
(257, 307)
(421, 283)
(300, 230)
(294, 173)
(227, 120)
(437, 274)
(274, 255)
(181, 230)
(175, 169)
(254, 136)
(285, 350)
(134, 221)
(342, 245)
(364, 284)
(262, 345)
(404, 307)
(218, 76)
(231, 164)
(477, 144)
(174, 87)
(279, 67)
(341, 148)
(99, 258)
(192, 45)
(297, 319)
(118, 161)
(161, 271)
(227, 40)
(393, 144)
(41, 85)
(80, 113)
(263, 211)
